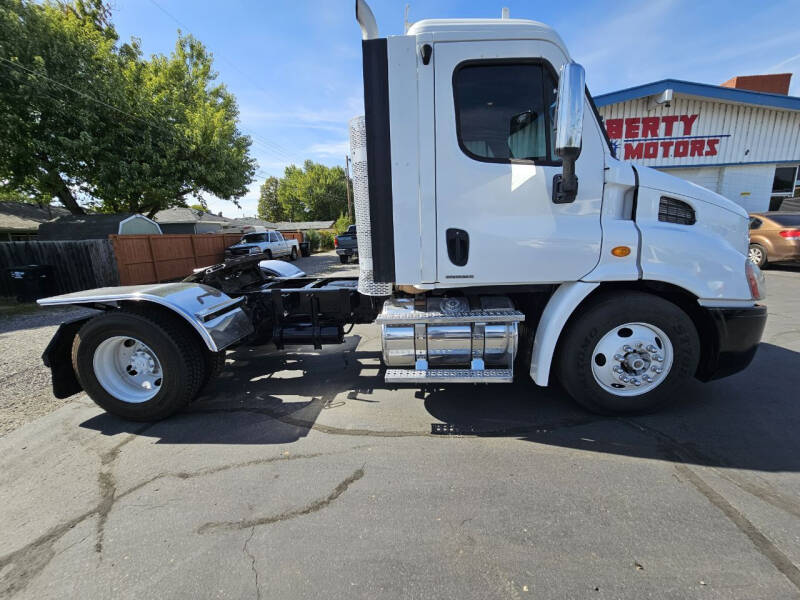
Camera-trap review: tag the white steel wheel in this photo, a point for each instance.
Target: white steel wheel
(632, 359)
(627, 352)
(127, 369)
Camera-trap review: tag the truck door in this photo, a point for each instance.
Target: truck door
(282, 245)
(496, 220)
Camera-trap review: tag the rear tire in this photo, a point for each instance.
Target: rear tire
(344, 259)
(757, 255)
(293, 255)
(627, 354)
(115, 354)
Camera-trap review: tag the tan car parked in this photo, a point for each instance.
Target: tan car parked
(774, 237)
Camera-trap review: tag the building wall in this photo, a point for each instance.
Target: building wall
(177, 227)
(730, 133)
(708, 177)
(748, 185)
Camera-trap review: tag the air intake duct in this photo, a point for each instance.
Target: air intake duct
(358, 153)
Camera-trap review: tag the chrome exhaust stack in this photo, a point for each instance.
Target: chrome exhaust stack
(365, 18)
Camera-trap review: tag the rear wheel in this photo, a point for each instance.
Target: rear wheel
(344, 259)
(628, 354)
(757, 255)
(293, 255)
(137, 368)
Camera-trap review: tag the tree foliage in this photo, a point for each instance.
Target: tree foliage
(314, 192)
(82, 115)
(269, 207)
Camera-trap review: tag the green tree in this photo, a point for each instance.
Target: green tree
(313, 193)
(80, 113)
(269, 206)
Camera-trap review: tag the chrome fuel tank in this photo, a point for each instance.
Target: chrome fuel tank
(448, 333)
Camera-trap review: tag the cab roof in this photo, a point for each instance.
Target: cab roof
(462, 30)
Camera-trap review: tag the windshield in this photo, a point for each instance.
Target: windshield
(254, 238)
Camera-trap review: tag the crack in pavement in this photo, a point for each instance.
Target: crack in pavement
(315, 506)
(27, 562)
(252, 562)
(681, 455)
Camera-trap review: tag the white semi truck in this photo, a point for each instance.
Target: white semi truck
(497, 233)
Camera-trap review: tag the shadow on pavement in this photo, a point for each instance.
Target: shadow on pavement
(748, 421)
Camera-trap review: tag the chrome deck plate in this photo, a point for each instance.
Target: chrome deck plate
(449, 376)
(505, 315)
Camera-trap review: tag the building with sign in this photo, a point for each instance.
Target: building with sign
(740, 139)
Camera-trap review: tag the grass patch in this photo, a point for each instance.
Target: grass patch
(10, 307)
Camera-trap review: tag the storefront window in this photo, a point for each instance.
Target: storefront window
(785, 179)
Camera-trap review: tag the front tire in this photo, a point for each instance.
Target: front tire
(757, 255)
(137, 368)
(627, 354)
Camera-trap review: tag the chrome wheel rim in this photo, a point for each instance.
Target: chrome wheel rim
(755, 255)
(127, 369)
(632, 359)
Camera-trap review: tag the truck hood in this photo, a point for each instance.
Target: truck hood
(669, 184)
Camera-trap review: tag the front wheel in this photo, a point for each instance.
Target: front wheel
(628, 354)
(137, 368)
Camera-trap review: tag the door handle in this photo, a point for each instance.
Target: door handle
(457, 246)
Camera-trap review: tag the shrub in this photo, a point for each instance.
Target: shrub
(312, 237)
(325, 240)
(341, 224)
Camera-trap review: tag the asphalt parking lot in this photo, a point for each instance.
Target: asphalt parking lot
(301, 475)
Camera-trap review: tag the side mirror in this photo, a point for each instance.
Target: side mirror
(569, 129)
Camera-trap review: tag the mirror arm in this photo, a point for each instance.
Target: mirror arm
(565, 184)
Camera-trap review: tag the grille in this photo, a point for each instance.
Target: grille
(671, 210)
(358, 153)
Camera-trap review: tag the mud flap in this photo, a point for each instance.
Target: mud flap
(58, 357)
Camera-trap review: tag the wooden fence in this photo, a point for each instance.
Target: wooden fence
(77, 265)
(152, 258)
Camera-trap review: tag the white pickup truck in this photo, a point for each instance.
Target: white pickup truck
(268, 242)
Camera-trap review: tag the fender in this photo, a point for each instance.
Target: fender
(555, 315)
(215, 316)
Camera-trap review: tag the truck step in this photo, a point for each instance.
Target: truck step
(502, 315)
(449, 376)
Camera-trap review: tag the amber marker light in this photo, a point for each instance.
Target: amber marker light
(620, 251)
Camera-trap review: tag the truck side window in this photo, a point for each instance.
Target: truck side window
(272, 237)
(503, 110)
(278, 236)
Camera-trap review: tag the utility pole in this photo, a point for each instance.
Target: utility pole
(347, 185)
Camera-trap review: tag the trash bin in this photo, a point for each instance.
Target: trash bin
(305, 248)
(31, 282)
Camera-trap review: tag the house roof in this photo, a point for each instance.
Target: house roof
(251, 221)
(181, 214)
(303, 225)
(82, 227)
(19, 216)
(702, 90)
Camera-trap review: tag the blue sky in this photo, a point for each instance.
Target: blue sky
(295, 66)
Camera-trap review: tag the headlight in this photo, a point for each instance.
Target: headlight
(255, 250)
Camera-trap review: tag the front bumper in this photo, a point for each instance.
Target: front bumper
(734, 339)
